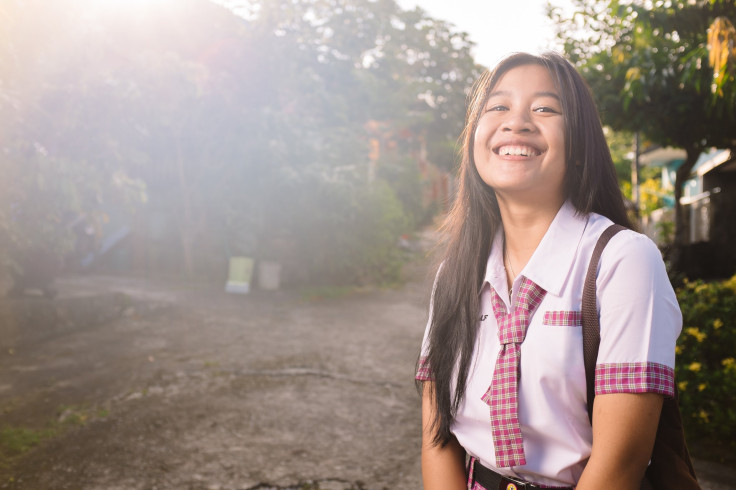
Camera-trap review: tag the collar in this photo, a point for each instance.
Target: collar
(553, 259)
(495, 271)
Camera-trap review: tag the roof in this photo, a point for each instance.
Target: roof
(710, 160)
(658, 157)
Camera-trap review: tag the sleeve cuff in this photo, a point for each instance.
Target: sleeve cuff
(423, 373)
(634, 377)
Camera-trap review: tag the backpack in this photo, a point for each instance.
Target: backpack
(670, 466)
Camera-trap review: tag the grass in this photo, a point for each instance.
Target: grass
(17, 441)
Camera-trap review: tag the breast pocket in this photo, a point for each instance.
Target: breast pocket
(554, 355)
(563, 318)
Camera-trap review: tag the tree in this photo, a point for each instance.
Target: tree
(56, 160)
(648, 66)
(248, 134)
(382, 62)
(343, 65)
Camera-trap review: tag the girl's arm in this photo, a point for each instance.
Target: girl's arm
(443, 468)
(624, 429)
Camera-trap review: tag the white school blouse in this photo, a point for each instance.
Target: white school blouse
(640, 322)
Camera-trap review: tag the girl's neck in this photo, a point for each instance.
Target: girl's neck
(524, 227)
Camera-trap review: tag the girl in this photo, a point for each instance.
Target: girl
(501, 369)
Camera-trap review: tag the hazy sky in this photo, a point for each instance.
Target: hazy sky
(498, 27)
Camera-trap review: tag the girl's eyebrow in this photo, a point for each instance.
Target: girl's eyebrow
(500, 93)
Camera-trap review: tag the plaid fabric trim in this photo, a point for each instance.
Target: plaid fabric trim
(423, 373)
(502, 395)
(469, 468)
(563, 318)
(634, 377)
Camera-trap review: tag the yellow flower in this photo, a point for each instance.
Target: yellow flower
(703, 416)
(678, 349)
(729, 363)
(682, 385)
(695, 366)
(695, 332)
(701, 386)
(717, 323)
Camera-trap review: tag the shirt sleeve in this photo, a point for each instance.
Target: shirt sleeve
(639, 316)
(423, 371)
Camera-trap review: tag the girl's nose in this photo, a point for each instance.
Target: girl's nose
(518, 121)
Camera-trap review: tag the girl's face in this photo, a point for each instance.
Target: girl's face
(519, 147)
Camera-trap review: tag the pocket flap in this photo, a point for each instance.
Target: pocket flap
(563, 318)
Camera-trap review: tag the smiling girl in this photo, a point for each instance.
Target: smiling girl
(501, 369)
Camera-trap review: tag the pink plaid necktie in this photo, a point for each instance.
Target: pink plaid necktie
(502, 394)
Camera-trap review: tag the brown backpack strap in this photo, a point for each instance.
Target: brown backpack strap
(591, 325)
(670, 465)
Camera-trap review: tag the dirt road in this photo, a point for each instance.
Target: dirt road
(221, 391)
(212, 391)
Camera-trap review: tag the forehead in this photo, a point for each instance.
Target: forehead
(531, 78)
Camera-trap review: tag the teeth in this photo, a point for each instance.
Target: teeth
(526, 151)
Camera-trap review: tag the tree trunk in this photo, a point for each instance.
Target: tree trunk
(680, 241)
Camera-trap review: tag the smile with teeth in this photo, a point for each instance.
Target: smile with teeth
(516, 150)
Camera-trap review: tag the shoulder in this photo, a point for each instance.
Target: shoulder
(629, 257)
(632, 252)
(626, 246)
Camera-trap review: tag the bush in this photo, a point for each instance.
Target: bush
(706, 360)
(402, 175)
(41, 196)
(347, 234)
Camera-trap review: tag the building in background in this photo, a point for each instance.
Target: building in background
(709, 207)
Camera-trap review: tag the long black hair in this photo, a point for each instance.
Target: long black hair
(590, 185)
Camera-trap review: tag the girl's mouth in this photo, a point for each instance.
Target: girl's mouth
(518, 150)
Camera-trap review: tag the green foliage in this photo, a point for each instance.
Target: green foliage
(621, 144)
(353, 240)
(651, 196)
(18, 440)
(649, 68)
(706, 361)
(41, 194)
(248, 135)
(402, 176)
(647, 64)
(665, 231)
(40, 191)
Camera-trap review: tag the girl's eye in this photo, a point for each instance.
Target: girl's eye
(497, 108)
(546, 109)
